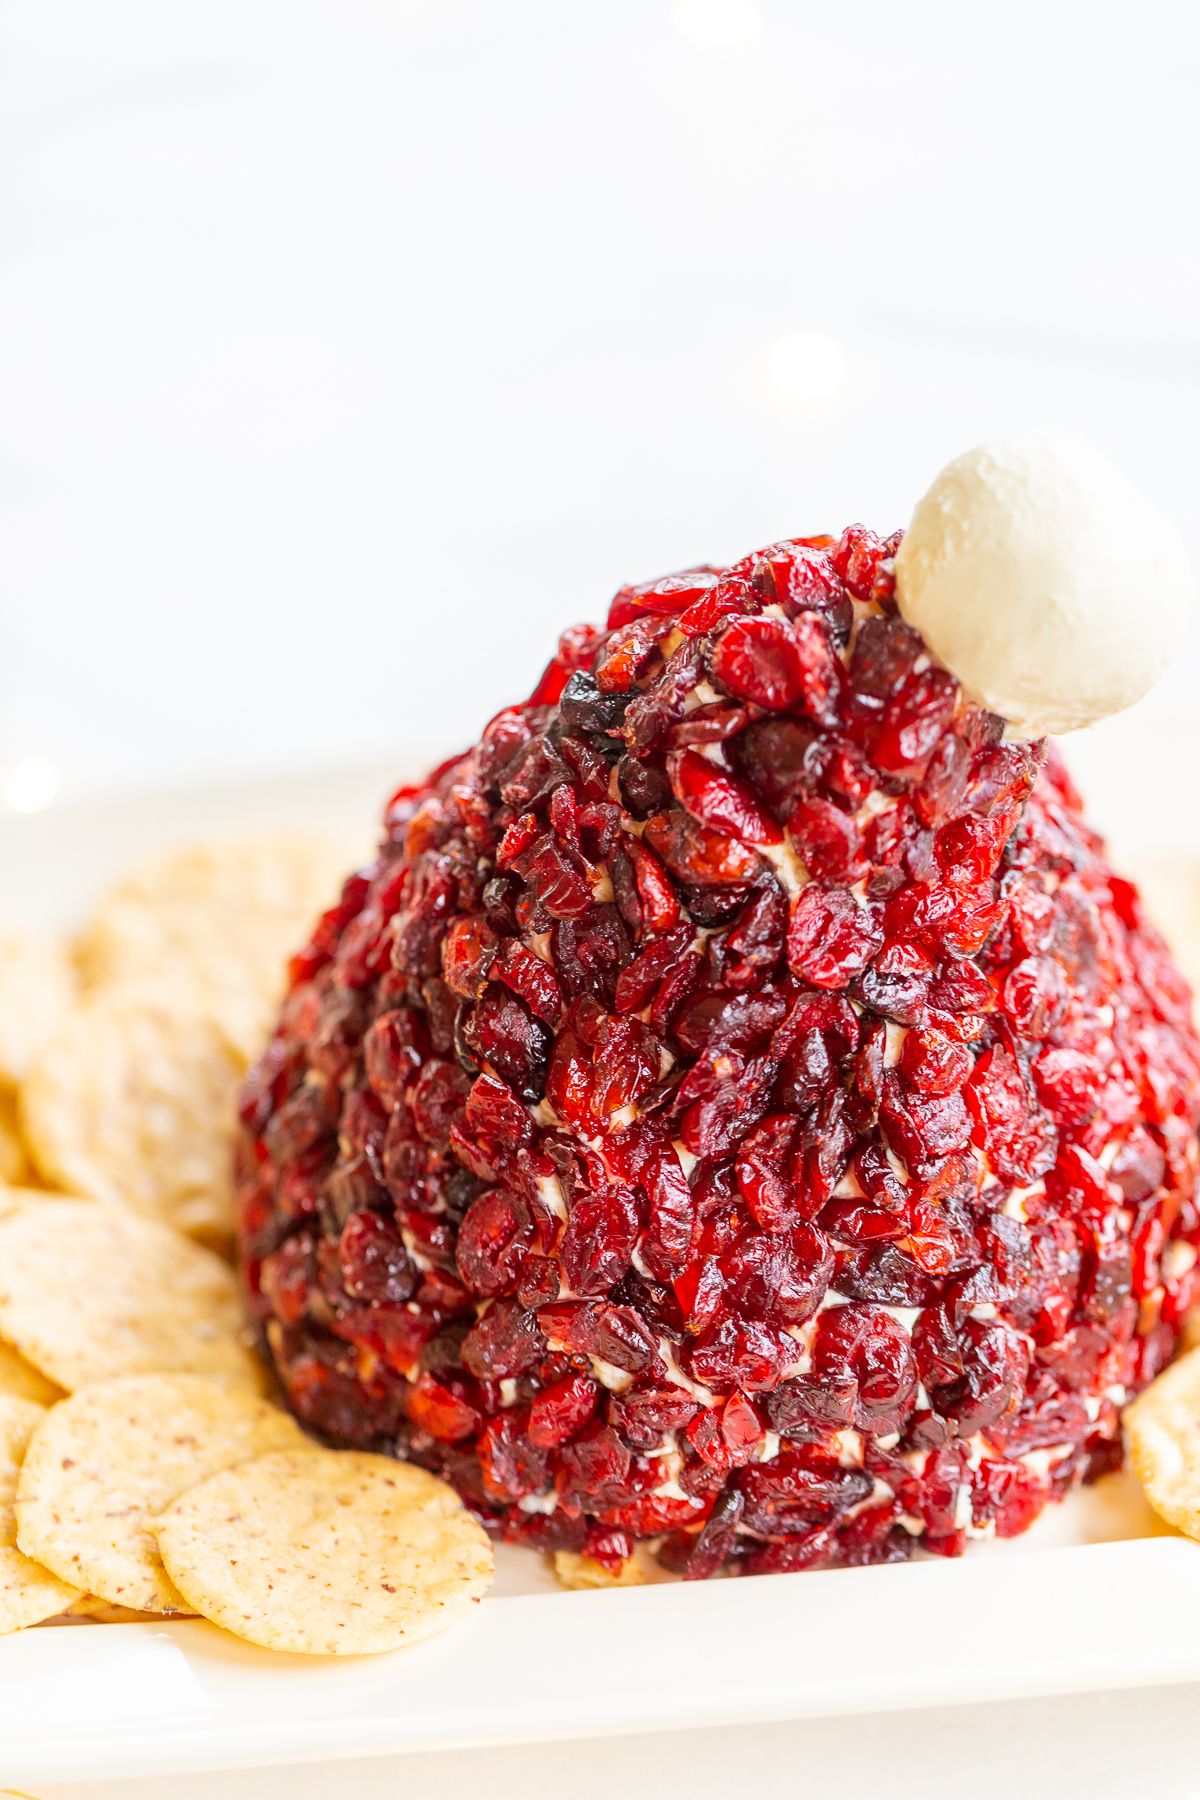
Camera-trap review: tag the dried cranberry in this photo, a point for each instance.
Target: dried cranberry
(374, 1263)
(780, 1277)
(831, 937)
(867, 1343)
(505, 1341)
(491, 1242)
(741, 1354)
(719, 799)
(561, 1410)
(598, 1242)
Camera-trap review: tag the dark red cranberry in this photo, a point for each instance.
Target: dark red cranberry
(505, 1341)
(758, 660)
(598, 1242)
(867, 1343)
(805, 1486)
(562, 1410)
(831, 937)
(741, 1354)
(374, 1263)
(780, 1276)
(492, 1242)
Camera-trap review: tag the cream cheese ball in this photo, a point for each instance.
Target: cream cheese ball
(739, 1108)
(1044, 581)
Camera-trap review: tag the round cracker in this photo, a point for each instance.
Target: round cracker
(37, 991)
(19, 1380)
(88, 1293)
(28, 1593)
(325, 1552)
(133, 1102)
(1164, 1443)
(106, 1460)
(224, 916)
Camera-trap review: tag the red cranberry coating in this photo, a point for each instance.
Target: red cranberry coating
(739, 1107)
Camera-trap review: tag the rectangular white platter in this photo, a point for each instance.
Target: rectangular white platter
(1096, 1597)
(1072, 1608)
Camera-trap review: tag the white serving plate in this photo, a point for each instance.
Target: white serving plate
(1091, 1600)
(1097, 1596)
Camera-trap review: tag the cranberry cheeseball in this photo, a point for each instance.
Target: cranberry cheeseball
(739, 1107)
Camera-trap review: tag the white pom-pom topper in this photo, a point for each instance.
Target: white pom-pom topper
(1044, 581)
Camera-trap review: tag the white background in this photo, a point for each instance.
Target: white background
(349, 350)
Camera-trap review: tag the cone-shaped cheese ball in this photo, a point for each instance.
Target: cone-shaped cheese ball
(740, 1107)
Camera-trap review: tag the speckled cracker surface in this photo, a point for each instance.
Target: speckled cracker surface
(224, 915)
(109, 1458)
(37, 989)
(1163, 1425)
(88, 1293)
(28, 1593)
(132, 1101)
(325, 1553)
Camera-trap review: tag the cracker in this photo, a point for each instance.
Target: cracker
(100, 1612)
(88, 1293)
(222, 916)
(1163, 1425)
(132, 1101)
(325, 1553)
(574, 1571)
(19, 1380)
(1190, 1337)
(28, 1593)
(106, 1460)
(37, 990)
(13, 1164)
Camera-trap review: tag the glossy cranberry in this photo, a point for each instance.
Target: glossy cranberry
(1070, 1084)
(913, 721)
(778, 666)
(1035, 996)
(598, 1242)
(884, 653)
(831, 937)
(719, 799)
(374, 1263)
(828, 841)
(1010, 1122)
(696, 853)
(441, 1412)
(504, 1341)
(780, 1277)
(994, 1362)
(868, 1344)
(741, 1354)
(562, 1410)
(492, 1242)
(800, 1487)
(934, 1062)
(502, 1032)
(511, 1464)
